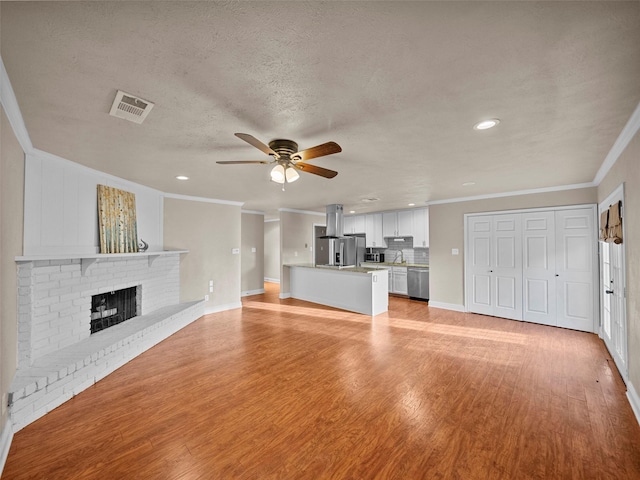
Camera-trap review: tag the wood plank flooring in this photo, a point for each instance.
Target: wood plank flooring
(284, 389)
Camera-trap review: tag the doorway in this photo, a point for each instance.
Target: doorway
(613, 328)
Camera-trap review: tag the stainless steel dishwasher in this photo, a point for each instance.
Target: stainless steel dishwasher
(418, 282)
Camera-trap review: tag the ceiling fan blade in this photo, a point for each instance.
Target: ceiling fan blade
(251, 140)
(247, 162)
(323, 172)
(317, 151)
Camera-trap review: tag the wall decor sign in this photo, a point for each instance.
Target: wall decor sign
(117, 220)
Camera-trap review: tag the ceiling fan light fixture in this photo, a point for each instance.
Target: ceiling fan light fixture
(277, 174)
(291, 175)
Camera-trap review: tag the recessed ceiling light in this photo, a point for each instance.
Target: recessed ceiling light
(182, 177)
(412, 204)
(468, 184)
(352, 211)
(485, 124)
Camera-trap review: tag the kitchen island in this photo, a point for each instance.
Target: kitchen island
(356, 289)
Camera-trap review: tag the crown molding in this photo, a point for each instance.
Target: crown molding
(253, 212)
(305, 212)
(201, 199)
(12, 110)
(623, 140)
(513, 194)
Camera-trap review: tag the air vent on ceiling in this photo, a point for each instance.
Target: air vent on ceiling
(130, 108)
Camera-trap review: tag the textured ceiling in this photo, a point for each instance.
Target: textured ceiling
(398, 85)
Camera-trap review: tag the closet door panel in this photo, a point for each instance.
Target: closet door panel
(538, 269)
(575, 254)
(479, 285)
(507, 268)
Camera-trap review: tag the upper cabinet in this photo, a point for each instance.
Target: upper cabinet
(402, 223)
(421, 228)
(389, 224)
(405, 223)
(354, 224)
(397, 224)
(373, 230)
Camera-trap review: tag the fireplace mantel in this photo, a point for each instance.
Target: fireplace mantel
(87, 259)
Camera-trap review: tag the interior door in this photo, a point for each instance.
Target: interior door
(539, 267)
(479, 265)
(575, 267)
(614, 330)
(507, 266)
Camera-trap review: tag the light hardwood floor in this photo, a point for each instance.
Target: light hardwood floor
(292, 390)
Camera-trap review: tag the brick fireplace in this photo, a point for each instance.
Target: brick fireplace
(58, 356)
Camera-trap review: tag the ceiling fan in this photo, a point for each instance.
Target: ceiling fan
(285, 153)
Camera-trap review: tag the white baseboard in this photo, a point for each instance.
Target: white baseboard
(6, 437)
(252, 292)
(222, 308)
(285, 295)
(634, 400)
(271, 280)
(447, 306)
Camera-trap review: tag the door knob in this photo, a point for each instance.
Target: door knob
(608, 292)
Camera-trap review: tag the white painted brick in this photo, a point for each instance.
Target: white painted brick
(48, 269)
(60, 276)
(60, 291)
(59, 306)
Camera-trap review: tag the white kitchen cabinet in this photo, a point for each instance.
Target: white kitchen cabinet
(388, 269)
(373, 230)
(354, 224)
(421, 228)
(399, 280)
(389, 224)
(397, 224)
(405, 223)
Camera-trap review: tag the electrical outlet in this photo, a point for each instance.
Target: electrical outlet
(253, 249)
(235, 251)
(206, 298)
(454, 251)
(295, 254)
(210, 288)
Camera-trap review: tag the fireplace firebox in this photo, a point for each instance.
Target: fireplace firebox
(111, 308)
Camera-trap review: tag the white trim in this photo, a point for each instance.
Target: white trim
(253, 212)
(6, 437)
(201, 199)
(618, 192)
(531, 210)
(626, 135)
(512, 194)
(222, 308)
(12, 110)
(447, 306)
(305, 212)
(285, 295)
(272, 280)
(271, 220)
(252, 292)
(634, 400)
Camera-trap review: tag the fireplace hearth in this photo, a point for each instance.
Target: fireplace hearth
(111, 308)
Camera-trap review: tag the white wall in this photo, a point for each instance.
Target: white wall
(272, 250)
(61, 207)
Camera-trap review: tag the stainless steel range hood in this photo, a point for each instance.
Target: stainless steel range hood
(335, 222)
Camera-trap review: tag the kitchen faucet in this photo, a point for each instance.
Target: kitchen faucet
(401, 257)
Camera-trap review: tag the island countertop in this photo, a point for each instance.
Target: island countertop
(366, 269)
(356, 289)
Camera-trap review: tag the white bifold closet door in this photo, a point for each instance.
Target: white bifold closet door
(495, 269)
(534, 266)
